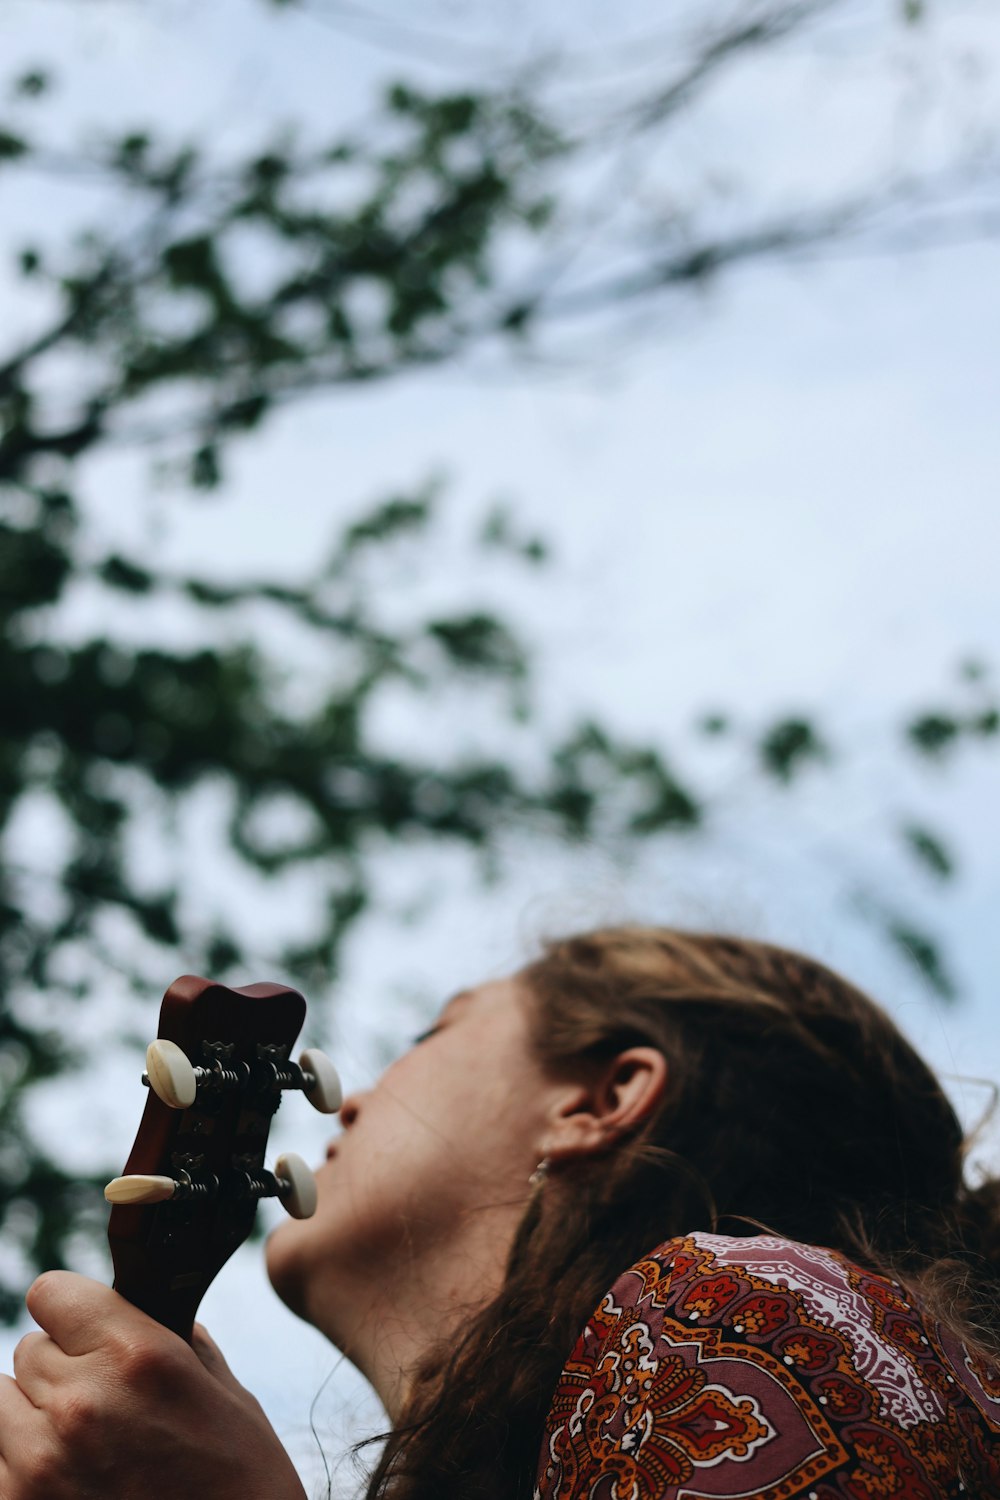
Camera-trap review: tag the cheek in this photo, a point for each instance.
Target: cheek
(378, 1193)
(353, 1227)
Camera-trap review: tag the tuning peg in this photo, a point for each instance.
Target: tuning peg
(140, 1189)
(171, 1074)
(320, 1082)
(296, 1186)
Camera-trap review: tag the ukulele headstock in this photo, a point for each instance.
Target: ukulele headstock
(189, 1193)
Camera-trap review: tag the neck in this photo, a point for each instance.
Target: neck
(390, 1319)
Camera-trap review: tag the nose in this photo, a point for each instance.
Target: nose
(349, 1110)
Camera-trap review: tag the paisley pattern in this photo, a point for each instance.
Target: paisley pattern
(762, 1369)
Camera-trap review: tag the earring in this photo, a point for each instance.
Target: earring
(538, 1176)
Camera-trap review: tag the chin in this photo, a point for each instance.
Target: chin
(284, 1259)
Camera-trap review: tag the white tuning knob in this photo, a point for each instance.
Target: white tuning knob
(297, 1186)
(139, 1189)
(171, 1074)
(324, 1091)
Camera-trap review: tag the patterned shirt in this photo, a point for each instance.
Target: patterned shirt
(763, 1369)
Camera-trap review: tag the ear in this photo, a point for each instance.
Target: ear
(588, 1118)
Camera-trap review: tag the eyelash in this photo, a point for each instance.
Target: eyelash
(425, 1035)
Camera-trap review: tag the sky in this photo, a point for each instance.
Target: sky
(781, 498)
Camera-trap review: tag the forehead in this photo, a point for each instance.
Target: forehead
(491, 996)
(490, 1025)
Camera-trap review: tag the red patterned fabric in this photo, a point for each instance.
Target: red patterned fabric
(762, 1369)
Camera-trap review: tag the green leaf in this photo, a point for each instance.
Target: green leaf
(480, 642)
(119, 573)
(932, 733)
(205, 471)
(245, 414)
(669, 806)
(269, 169)
(924, 954)
(498, 532)
(12, 147)
(401, 99)
(222, 953)
(192, 262)
(34, 568)
(929, 850)
(394, 518)
(789, 745)
(33, 84)
(158, 919)
(132, 151)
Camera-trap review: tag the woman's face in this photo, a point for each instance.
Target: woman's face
(444, 1143)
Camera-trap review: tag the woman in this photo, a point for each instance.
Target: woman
(663, 1215)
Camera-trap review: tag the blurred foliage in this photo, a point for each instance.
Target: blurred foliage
(213, 296)
(788, 745)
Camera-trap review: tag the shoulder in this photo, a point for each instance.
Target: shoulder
(727, 1366)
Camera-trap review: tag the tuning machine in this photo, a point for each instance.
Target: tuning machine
(296, 1186)
(291, 1182)
(143, 1187)
(175, 1080)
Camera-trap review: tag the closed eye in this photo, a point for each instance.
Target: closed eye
(424, 1035)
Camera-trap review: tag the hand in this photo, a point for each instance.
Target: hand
(107, 1405)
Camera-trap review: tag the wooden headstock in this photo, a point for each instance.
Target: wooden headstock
(196, 1172)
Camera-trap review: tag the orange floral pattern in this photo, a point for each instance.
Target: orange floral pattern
(761, 1369)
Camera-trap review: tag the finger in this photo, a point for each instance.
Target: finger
(12, 1400)
(213, 1359)
(17, 1415)
(37, 1362)
(81, 1315)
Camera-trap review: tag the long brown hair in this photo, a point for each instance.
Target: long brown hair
(794, 1105)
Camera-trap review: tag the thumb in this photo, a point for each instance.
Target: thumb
(212, 1358)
